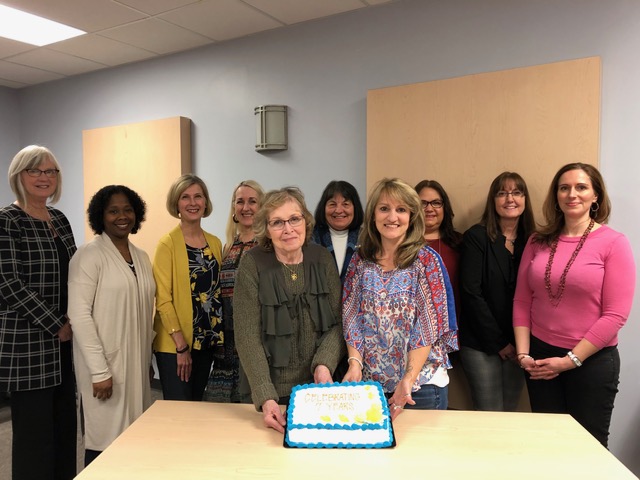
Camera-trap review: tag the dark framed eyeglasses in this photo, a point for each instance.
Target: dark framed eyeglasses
(513, 193)
(433, 203)
(36, 172)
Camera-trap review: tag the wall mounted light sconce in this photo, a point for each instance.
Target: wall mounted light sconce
(271, 127)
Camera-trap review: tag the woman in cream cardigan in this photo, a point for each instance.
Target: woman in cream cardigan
(188, 305)
(111, 292)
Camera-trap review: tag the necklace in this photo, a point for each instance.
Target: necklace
(555, 298)
(292, 273)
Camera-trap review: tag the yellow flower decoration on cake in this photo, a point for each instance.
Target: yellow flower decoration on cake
(325, 418)
(374, 414)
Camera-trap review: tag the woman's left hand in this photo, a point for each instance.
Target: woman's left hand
(272, 416)
(322, 375)
(400, 398)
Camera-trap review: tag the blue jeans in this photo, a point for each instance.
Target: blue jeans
(429, 397)
(586, 393)
(175, 389)
(496, 384)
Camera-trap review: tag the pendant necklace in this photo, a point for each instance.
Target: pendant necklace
(292, 273)
(555, 298)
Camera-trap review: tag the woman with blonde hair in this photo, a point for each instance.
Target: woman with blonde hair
(398, 307)
(287, 306)
(188, 308)
(225, 377)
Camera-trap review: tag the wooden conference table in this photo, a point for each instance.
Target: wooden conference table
(192, 440)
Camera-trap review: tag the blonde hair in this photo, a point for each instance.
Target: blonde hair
(232, 227)
(31, 157)
(275, 199)
(179, 186)
(370, 239)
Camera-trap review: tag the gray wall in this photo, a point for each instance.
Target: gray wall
(323, 70)
(9, 137)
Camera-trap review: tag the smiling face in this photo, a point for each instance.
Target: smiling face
(119, 217)
(339, 212)
(245, 205)
(432, 216)
(510, 206)
(39, 189)
(192, 204)
(575, 194)
(288, 241)
(391, 218)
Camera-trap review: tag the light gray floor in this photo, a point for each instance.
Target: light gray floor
(5, 440)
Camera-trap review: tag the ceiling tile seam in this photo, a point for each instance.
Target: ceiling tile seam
(280, 21)
(8, 59)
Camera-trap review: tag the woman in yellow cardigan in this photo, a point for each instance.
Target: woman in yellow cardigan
(188, 305)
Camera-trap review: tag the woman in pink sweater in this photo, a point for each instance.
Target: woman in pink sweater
(574, 293)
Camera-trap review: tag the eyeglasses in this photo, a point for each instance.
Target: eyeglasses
(36, 172)
(513, 193)
(278, 224)
(433, 203)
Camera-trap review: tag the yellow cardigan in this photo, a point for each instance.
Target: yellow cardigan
(174, 309)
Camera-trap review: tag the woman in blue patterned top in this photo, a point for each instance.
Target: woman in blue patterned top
(398, 307)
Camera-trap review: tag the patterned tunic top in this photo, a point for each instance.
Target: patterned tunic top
(204, 272)
(387, 314)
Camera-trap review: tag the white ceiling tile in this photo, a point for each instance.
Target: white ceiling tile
(10, 84)
(294, 11)
(153, 7)
(23, 74)
(157, 36)
(87, 15)
(11, 47)
(57, 62)
(101, 50)
(221, 19)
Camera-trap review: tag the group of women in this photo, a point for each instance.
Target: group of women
(383, 293)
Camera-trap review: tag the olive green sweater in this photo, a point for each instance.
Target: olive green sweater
(308, 347)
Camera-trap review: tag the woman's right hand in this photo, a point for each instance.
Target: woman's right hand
(103, 390)
(354, 374)
(65, 334)
(183, 360)
(272, 416)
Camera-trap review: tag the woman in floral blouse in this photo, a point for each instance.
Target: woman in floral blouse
(398, 308)
(188, 308)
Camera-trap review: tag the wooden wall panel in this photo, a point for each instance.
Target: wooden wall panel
(464, 131)
(146, 157)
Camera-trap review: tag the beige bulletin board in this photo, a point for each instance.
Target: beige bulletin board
(146, 157)
(464, 131)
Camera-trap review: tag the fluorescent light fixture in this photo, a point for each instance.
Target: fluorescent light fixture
(31, 29)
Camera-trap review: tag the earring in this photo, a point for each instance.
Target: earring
(597, 207)
(234, 218)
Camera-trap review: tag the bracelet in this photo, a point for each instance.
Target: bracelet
(173, 330)
(523, 355)
(577, 362)
(183, 349)
(357, 360)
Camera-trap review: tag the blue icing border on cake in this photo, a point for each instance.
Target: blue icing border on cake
(335, 426)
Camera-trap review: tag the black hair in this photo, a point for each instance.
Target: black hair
(99, 201)
(349, 193)
(448, 234)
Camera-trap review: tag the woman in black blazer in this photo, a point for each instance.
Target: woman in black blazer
(489, 265)
(36, 244)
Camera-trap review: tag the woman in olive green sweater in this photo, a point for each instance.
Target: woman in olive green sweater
(286, 306)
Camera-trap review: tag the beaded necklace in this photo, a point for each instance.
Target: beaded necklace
(555, 298)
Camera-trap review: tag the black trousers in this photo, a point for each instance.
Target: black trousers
(175, 389)
(45, 427)
(586, 393)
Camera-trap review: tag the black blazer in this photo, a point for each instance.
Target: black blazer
(488, 274)
(30, 303)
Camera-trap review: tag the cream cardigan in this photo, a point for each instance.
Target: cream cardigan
(174, 309)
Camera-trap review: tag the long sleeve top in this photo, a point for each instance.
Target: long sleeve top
(488, 273)
(174, 308)
(282, 328)
(598, 292)
(387, 314)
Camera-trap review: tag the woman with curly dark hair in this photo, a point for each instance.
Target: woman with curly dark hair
(111, 292)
